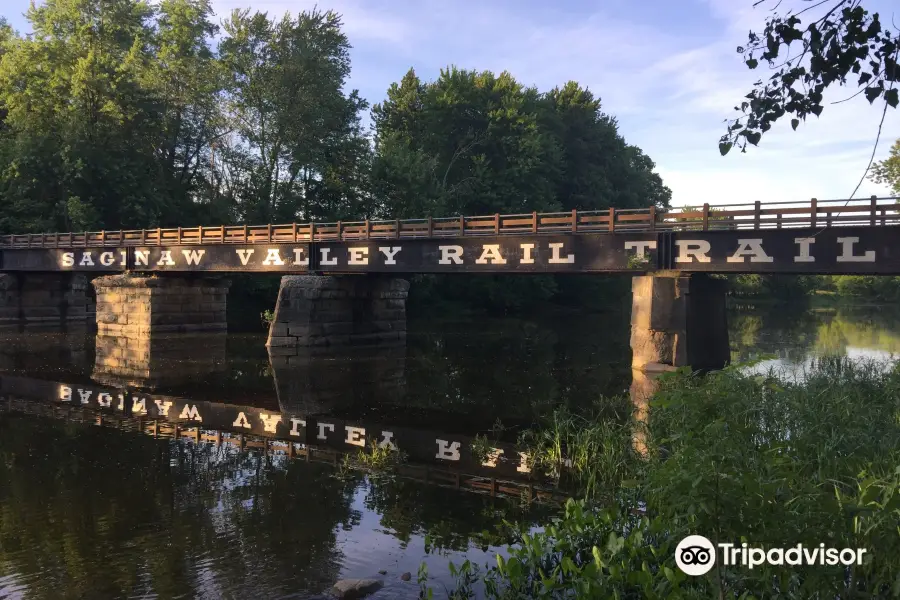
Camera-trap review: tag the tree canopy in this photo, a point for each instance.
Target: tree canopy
(819, 44)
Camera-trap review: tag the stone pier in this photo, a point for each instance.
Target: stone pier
(679, 320)
(136, 306)
(338, 310)
(42, 298)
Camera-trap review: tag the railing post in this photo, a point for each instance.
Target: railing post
(612, 219)
(179, 236)
(368, 229)
(340, 227)
(705, 216)
(813, 212)
(269, 233)
(159, 236)
(883, 214)
(430, 226)
(757, 214)
(828, 219)
(652, 215)
(222, 233)
(143, 237)
(397, 228)
(294, 231)
(312, 231)
(102, 238)
(534, 222)
(873, 210)
(43, 240)
(245, 233)
(778, 221)
(462, 225)
(496, 223)
(199, 234)
(574, 220)
(56, 239)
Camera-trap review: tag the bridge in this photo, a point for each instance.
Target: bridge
(170, 280)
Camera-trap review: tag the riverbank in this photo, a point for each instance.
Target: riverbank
(770, 460)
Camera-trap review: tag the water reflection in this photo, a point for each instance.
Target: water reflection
(90, 511)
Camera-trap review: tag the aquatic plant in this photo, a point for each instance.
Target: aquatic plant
(772, 459)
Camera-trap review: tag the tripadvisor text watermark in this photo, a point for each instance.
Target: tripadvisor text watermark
(696, 555)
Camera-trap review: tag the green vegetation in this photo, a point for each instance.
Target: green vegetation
(840, 44)
(736, 457)
(129, 114)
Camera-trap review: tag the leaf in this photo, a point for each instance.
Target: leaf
(872, 93)
(752, 63)
(724, 148)
(794, 124)
(892, 98)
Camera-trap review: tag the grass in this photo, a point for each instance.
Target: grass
(771, 459)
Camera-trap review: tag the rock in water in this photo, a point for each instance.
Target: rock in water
(351, 589)
(406, 576)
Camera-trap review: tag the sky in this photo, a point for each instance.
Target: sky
(666, 69)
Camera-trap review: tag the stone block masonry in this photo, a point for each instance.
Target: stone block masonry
(338, 310)
(42, 298)
(679, 321)
(132, 305)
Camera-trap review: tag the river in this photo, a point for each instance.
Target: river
(99, 512)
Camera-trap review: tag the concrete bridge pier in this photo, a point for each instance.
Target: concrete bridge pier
(42, 299)
(678, 320)
(338, 310)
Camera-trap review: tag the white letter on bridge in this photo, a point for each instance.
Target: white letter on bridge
(754, 249)
(324, 260)
(556, 259)
(107, 259)
(86, 259)
(166, 259)
(68, 259)
(273, 257)
(688, 250)
(389, 253)
(298, 252)
(490, 254)
(847, 251)
(450, 255)
(244, 255)
(640, 248)
(527, 249)
(804, 256)
(193, 256)
(358, 256)
(142, 257)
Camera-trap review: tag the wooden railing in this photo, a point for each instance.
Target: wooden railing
(782, 215)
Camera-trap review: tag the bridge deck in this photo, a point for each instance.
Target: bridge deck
(870, 212)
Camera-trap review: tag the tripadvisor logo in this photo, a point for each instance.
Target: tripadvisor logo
(696, 555)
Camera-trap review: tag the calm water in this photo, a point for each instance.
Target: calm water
(95, 512)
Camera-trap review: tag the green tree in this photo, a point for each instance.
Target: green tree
(296, 133)
(887, 171)
(81, 124)
(841, 44)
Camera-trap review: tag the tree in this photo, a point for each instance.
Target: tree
(842, 44)
(887, 171)
(296, 133)
(82, 124)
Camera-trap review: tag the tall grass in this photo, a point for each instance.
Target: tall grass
(770, 459)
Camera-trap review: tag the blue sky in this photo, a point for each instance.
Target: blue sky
(667, 69)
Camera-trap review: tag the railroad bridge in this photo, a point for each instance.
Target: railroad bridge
(172, 280)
